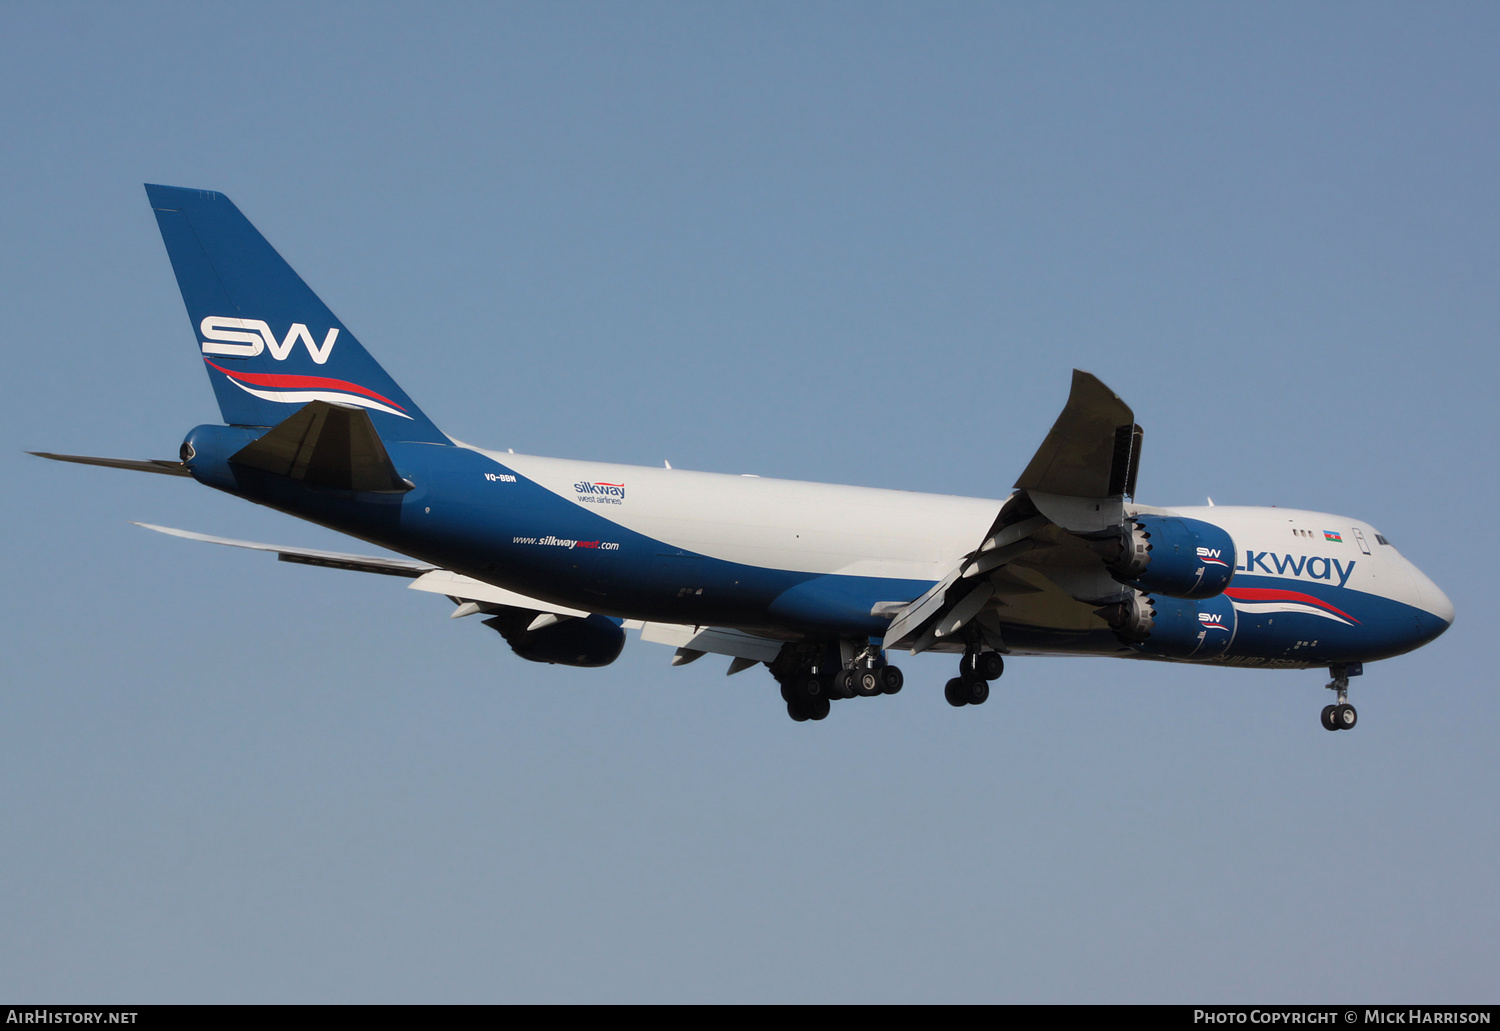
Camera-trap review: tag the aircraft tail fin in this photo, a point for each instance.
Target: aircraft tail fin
(266, 339)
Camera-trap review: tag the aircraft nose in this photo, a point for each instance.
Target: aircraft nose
(1439, 604)
(1435, 603)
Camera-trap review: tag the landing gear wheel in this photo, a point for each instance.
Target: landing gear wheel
(817, 708)
(956, 691)
(983, 665)
(796, 712)
(891, 679)
(1341, 716)
(814, 687)
(845, 683)
(867, 683)
(978, 691)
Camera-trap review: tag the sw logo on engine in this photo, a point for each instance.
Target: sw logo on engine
(1212, 557)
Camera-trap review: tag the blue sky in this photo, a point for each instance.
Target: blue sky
(853, 243)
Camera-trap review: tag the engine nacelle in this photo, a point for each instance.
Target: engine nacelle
(1174, 628)
(581, 641)
(1178, 558)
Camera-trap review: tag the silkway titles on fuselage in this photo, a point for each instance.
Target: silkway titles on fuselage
(597, 493)
(1316, 567)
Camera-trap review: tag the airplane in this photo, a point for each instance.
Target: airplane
(820, 583)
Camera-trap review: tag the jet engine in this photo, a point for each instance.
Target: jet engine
(578, 641)
(1178, 558)
(1174, 628)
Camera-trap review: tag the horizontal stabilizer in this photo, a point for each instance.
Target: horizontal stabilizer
(148, 465)
(326, 445)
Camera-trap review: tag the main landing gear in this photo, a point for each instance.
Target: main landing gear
(806, 698)
(867, 682)
(1342, 715)
(813, 677)
(972, 685)
(810, 686)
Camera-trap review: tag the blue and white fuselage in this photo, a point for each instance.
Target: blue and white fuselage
(795, 559)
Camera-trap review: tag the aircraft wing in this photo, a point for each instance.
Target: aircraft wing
(1083, 471)
(474, 596)
(693, 642)
(309, 556)
(1040, 563)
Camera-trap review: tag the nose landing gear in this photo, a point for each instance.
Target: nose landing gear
(1341, 716)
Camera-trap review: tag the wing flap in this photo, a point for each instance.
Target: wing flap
(718, 640)
(466, 588)
(919, 611)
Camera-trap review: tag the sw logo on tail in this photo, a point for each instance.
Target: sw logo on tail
(227, 337)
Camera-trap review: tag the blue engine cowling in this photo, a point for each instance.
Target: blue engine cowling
(1175, 557)
(1175, 628)
(581, 641)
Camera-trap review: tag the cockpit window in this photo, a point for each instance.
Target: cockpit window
(1381, 540)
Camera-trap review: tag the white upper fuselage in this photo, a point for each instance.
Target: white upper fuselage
(778, 524)
(862, 531)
